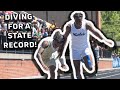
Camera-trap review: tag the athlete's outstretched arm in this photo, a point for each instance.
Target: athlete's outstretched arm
(96, 33)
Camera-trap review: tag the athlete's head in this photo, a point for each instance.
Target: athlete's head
(58, 39)
(77, 16)
(58, 42)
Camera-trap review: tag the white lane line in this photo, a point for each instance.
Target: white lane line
(108, 76)
(108, 69)
(65, 77)
(31, 77)
(107, 72)
(110, 72)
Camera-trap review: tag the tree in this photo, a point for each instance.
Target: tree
(111, 24)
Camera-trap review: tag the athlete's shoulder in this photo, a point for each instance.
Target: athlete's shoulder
(88, 22)
(45, 40)
(90, 25)
(69, 23)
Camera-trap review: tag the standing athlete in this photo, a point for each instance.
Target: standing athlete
(76, 33)
(48, 55)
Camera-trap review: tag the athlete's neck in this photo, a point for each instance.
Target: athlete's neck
(78, 25)
(54, 44)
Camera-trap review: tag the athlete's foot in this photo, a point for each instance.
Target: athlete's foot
(72, 77)
(90, 68)
(58, 77)
(85, 77)
(95, 74)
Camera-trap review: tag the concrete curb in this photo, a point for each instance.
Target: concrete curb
(31, 77)
(108, 69)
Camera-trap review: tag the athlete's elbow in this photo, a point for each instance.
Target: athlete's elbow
(38, 55)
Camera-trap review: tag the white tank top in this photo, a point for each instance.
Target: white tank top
(79, 37)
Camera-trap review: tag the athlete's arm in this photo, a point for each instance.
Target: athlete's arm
(41, 50)
(64, 66)
(67, 31)
(96, 33)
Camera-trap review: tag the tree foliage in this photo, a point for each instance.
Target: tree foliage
(111, 24)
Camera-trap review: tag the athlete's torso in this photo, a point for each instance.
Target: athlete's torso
(79, 37)
(50, 52)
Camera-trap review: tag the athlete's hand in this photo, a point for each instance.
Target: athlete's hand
(45, 67)
(64, 67)
(109, 42)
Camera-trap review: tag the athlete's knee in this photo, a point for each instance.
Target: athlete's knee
(88, 62)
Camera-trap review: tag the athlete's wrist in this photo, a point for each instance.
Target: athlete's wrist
(103, 40)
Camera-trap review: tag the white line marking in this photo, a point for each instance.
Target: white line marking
(108, 76)
(108, 72)
(108, 69)
(31, 77)
(65, 77)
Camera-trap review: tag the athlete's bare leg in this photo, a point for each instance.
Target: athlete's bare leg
(88, 62)
(52, 71)
(77, 68)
